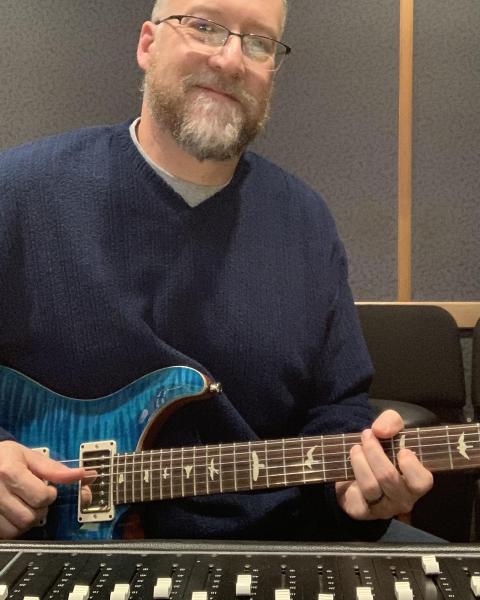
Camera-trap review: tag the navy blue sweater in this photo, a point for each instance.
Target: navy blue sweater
(107, 274)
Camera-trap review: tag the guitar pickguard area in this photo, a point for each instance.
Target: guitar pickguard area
(95, 493)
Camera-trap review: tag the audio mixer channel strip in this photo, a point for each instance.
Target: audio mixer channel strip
(228, 571)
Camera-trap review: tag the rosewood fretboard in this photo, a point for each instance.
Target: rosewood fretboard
(201, 470)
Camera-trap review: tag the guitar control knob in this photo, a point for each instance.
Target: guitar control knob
(215, 388)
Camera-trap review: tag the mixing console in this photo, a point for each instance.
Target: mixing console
(228, 571)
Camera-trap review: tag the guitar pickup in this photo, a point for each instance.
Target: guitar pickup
(95, 494)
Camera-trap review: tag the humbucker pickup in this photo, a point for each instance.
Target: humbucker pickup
(95, 494)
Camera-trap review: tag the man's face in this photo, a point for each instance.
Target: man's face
(213, 102)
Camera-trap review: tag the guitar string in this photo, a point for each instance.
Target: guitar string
(247, 471)
(203, 471)
(302, 474)
(245, 456)
(260, 445)
(200, 472)
(174, 485)
(272, 454)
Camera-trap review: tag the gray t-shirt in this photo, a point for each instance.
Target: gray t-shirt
(193, 193)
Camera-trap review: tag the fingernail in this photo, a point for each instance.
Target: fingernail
(367, 434)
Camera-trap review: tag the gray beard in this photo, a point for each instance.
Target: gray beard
(203, 127)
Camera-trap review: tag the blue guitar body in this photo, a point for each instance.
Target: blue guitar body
(40, 418)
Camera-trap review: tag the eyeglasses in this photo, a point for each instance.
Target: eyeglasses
(263, 51)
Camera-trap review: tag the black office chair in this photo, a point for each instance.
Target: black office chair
(417, 356)
(419, 372)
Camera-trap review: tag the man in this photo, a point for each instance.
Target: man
(161, 242)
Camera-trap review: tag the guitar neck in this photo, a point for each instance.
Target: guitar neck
(246, 466)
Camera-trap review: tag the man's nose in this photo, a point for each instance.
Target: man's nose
(229, 58)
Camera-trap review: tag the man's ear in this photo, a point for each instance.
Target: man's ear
(144, 49)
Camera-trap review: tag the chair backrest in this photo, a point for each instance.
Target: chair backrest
(476, 367)
(417, 356)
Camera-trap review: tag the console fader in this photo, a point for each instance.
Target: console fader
(229, 571)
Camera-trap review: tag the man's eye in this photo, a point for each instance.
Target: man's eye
(260, 45)
(201, 26)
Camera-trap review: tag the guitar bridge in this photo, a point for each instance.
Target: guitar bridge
(95, 494)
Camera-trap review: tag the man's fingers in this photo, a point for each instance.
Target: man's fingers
(418, 479)
(367, 482)
(8, 531)
(51, 470)
(387, 424)
(18, 515)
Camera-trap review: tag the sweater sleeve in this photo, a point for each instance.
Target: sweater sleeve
(339, 404)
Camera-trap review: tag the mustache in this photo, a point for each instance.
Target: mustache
(219, 83)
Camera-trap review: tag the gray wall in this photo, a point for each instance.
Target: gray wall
(66, 64)
(446, 182)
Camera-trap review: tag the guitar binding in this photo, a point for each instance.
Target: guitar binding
(95, 496)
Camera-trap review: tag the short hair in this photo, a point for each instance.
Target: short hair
(159, 5)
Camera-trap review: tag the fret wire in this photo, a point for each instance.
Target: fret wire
(468, 430)
(235, 466)
(419, 445)
(194, 473)
(279, 484)
(330, 446)
(151, 474)
(134, 480)
(115, 487)
(393, 457)
(429, 456)
(284, 462)
(206, 467)
(303, 462)
(161, 474)
(449, 448)
(320, 477)
(250, 464)
(323, 457)
(182, 472)
(220, 467)
(175, 494)
(463, 428)
(266, 462)
(344, 454)
(118, 479)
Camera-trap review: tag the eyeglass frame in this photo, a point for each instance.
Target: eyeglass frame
(230, 33)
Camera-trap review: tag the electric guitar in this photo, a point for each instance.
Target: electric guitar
(114, 435)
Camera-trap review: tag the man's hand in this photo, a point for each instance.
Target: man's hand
(379, 490)
(24, 497)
